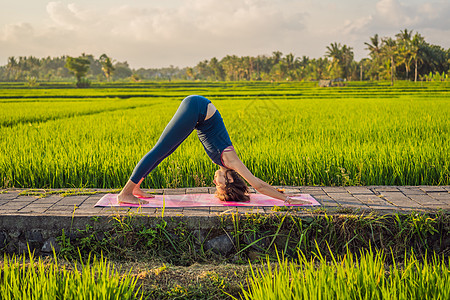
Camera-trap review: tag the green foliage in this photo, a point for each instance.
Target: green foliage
(107, 66)
(94, 279)
(256, 235)
(290, 233)
(286, 133)
(341, 60)
(83, 83)
(352, 276)
(328, 244)
(321, 238)
(122, 70)
(79, 66)
(32, 82)
(436, 77)
(130, 235)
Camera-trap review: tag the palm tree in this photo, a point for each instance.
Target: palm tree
(244, 67)
(216, 68)
(320, 67)
(289, 59)
(276, 57)
(190, 73)
(334, 52)
(404, 49)
(12, 67)
(107, 66)
(364, 65)
(404, 35)
(341, 59)
(290, 63)
(417, 43)
(374, 48)
(389, 50)
(404, 58)
(347, 60)
(230, 65)
(203, 69)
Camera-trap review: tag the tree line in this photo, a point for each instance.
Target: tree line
(406, 56)
(63, 68)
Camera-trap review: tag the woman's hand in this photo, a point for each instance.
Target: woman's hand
(290, 200)
(259, 185)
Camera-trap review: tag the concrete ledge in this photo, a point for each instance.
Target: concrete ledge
(38, 219)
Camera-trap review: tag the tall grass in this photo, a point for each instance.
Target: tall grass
(34, 279)
(363, 276)
(21, 112)
(287, 134)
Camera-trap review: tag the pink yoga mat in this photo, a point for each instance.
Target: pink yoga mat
(195, 200)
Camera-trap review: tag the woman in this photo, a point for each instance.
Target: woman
(197, 112)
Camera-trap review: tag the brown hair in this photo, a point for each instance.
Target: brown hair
(234, 191)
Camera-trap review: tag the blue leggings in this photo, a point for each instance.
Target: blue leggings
(191, 111)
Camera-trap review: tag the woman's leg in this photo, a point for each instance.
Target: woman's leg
(179, 128)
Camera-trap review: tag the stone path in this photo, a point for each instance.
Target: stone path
(352, 199)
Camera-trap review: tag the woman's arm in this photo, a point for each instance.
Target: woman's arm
(233, 162)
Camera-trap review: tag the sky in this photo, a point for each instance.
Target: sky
(154, 34)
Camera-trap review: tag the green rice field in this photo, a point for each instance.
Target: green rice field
(362, 276)
(366, 275)
(55, 135)
(32, 278)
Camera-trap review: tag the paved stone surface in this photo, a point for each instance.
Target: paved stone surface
(382, 199)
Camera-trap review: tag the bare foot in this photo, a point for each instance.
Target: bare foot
(121, 198)
(141, 193)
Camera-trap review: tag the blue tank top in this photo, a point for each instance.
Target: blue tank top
(213, 135)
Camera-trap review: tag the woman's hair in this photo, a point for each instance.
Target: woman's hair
(234, 191)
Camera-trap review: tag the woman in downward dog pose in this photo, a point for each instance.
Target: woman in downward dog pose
(197, 112)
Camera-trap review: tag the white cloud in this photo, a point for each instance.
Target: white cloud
(431, 19)
(66, 16)
(196, 30)
(357, 25)
(395, 15)
(16, 31)
(154, 34)
(195, 19)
